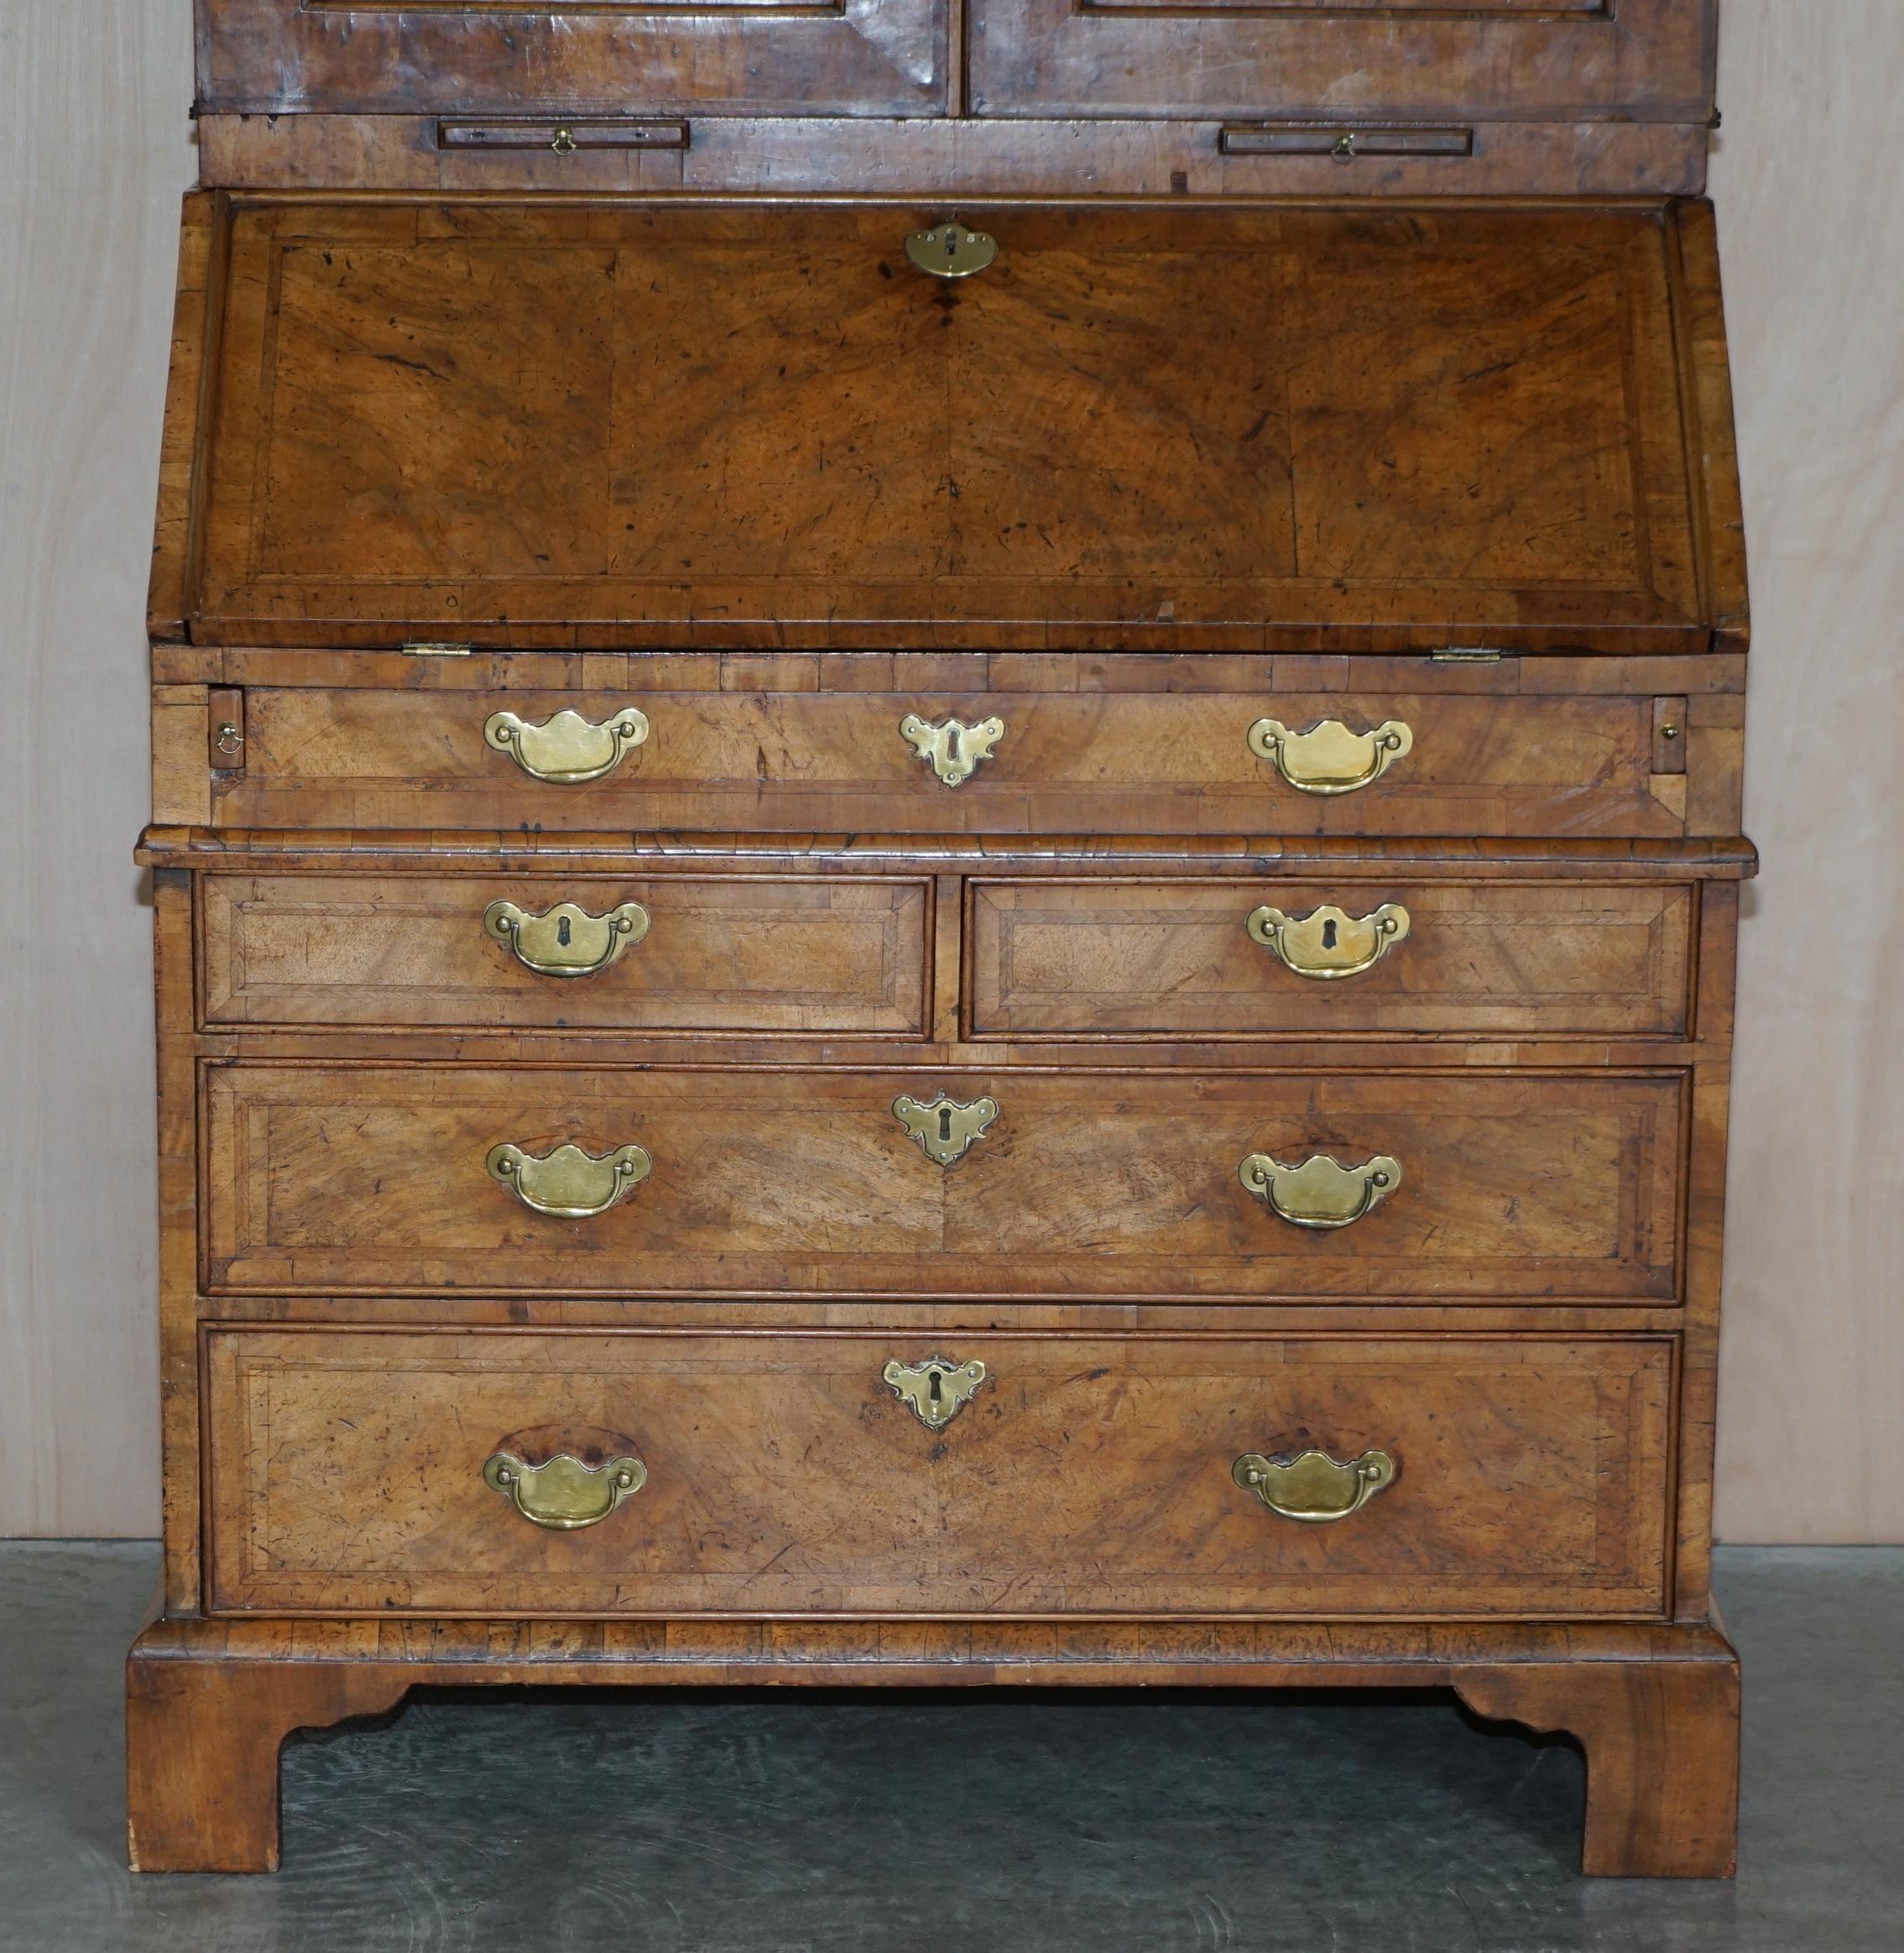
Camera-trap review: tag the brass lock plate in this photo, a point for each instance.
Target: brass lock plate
(954, 750)
(949, 250)
(945, 1130)
(936, 1390)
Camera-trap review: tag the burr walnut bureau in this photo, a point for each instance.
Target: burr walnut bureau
(947, 850)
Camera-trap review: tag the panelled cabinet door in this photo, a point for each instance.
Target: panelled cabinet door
(1519, 60)
(484, 58)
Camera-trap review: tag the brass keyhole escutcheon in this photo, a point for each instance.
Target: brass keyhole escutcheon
(945, 1130)
(565, 941)
(1329, 944)
(954, 750)
(936, 1390)
(951, 251)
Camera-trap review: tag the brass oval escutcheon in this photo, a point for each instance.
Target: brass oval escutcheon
(568, 1183)
(949, 250)
(1328, 759)
(565, 941)
(1322, 1193)
(954, 750)
(563, 1494)
(1329, 943)
(1310, 1487)
(936, 1389)
(567, 750)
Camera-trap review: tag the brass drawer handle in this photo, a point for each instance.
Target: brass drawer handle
(566, 941)
(1313, 1489)
(1321, 1194)
(568, 1183)
(1329, 943)
(563, 1494)
(936, 1390)
(954, 750)
(1328, 759)
(567, 750)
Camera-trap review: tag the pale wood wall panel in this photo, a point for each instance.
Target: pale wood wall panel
(94, 151)
(1812, 227)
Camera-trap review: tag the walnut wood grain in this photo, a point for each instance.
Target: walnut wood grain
(577, 57)
(1409, 60)
(935, 157)
(784, 1475)
(406, 443)
(780, 953)
(1662, 1756)
(1112, 763)
(348, 1178)
(1174, 958)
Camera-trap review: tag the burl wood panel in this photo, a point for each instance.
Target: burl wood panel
(324, 1178)
(1175, 957)
(592, 424)
(836, 762)
(780, 953)
(1085, 1477)
(1643, 60)
(571, 57)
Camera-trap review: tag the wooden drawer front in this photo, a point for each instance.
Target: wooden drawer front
(561, 59)
(717, 954)
(1084, 1476)
(1176, 958)
(354, 1177)
(805, 762)
(1643, 60)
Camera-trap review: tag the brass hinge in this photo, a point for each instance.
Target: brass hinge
(437, 650)
(1455, 656)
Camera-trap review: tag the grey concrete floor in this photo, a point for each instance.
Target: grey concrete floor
(789, 1823)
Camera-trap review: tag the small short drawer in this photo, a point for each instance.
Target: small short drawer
(1235, 959)
(787, 1473)
(659, 953)
(982, 763)
(1145, 1185)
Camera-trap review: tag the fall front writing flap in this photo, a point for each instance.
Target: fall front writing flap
(643, 425)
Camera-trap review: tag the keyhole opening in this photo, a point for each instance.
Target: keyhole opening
(562, 930)
(932, 1385)
(1329, 935)
(945, 1139)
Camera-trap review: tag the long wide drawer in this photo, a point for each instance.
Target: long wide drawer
(1012, 763)
(1297, 1185)
(781, 953)
(790, 1472)
(1232, 958)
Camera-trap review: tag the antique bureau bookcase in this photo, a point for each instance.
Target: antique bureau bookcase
(947, 850)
